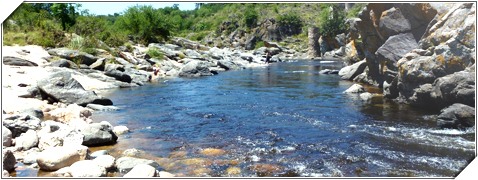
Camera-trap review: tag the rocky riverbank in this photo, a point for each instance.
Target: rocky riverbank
(419, 54)
(49, 95)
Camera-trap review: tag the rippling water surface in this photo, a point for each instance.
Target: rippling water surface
(282, 120)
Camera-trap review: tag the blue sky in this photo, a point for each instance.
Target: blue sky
(105, 8)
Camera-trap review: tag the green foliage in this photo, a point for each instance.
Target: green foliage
(154, 52)
(199, 35)
(66, 13)
(250, 17)
(355, 10)
(332, 20)
(259, 44)
(290, 23)
(145, 24)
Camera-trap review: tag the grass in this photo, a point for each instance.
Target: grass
(154, 53)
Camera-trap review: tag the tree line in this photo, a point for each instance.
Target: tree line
(53, 24)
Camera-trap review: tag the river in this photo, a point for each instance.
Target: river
(282, 120)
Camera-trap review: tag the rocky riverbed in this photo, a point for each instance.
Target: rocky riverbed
(49, 95)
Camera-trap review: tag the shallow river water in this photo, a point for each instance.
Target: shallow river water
(282, 120)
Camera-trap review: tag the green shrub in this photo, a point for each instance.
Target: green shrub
(290, 23)
(355, 10)
(145, 24)
(259, 44)
(332, 20)
(154, 53)
(250, 17)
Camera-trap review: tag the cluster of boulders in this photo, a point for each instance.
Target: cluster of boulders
(50, 95)
(420, 54)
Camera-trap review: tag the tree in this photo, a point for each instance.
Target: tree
(290, 23)
(332, 20)
(66, 13)
(145, 23)
(250, 16)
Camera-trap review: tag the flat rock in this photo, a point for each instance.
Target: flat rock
(356, 88)
(125, 164)
(15, 61)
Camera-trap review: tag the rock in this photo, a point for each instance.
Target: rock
(395, 48)
(98, 153)
(64, 63)
(117, 72)
(142, 171)
(212, 152)
(98, 107)
(5, 174)
(8, 160)
(20, 124)
(55, 134)
(164, 174)
(350, 72)
(27, 140)
(97, 134)
(231, 171)
(458, 87)
(55, 158)
(71, 112)
(393, 22)
(133, 152)
(31, 156)
(87, 168)
(251, 43)
(62, 87)
(457, 116)
(195, 68)
(366, 96)
(73, 55)
(228, 65)
(265, 169)
(99, 64)
(125, 164)
(6, 137)
(356, 88)
(15, 61)
(118, 130)
(391, 90)
(63, 172)
(105, 161)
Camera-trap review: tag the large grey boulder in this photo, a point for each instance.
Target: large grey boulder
(393, 22)
(195, 68)
(457, 116)
(8, 160)
(125, 164)
(395, 48)
(97, 134)
(62, 87)
(15, 61)
(6, 137)
(458, 87)
(350, 72)
(73, 55)
(87, 168)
